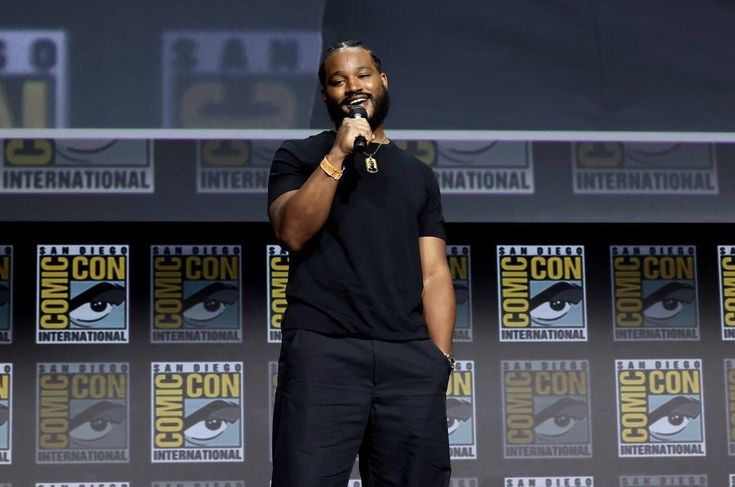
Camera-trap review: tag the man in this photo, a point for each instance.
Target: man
(366, 347)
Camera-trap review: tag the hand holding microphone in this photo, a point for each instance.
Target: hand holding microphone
(360, 143)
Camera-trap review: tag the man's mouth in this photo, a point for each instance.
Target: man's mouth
(356, 100)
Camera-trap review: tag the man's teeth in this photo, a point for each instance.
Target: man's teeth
(357, 101)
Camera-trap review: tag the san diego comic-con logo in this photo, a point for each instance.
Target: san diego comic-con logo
(461, 411)
(6, 294)
(458, 257)
(82, 294)
(6, 413)
(198, 483)
(681, 480)
(726, 267)
(546, 409)
(33, 79)
(89, 165)
(196, 293)
(477, 166)
(239, 79)
(541, 293)
(234, 166)
(644, 168)
(197, 412)
(660, 407)
(277, 264)
(730, 403)
(83, 484)
(549, 482)
(654, 292)
(83, 412)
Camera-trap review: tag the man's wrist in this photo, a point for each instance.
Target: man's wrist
(330, 170)
(450, 358)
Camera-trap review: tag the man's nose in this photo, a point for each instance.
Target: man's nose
(353, 84)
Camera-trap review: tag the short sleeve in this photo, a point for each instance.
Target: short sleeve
(431, 219)
(287, 172)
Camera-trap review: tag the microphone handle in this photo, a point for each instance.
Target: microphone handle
(360, 144)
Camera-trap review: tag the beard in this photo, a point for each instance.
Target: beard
(381, 102)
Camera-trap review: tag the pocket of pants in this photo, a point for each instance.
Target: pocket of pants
(439, 355)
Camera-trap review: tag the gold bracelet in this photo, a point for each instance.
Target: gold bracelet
(331, 171)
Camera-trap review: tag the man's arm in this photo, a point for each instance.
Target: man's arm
(440, 305)
(299, 214)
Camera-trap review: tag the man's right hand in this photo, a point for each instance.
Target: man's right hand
(344, 143)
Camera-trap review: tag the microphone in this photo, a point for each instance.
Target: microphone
(360, 142)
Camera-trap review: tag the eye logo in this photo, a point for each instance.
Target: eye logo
(458, 412)
(559, 418)
(89, 308)
(654, 293)
(541, 293)
(546, 409)
(92, 425)
(82, 294)
(91, 401)
(660, 408)
(197, 412)
(4, 413)
(206, 424)
(672, 417)
(461, 411)
(196, 293)
(208, 303)
(553, 303)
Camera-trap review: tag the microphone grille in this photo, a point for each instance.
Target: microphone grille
(357, 112)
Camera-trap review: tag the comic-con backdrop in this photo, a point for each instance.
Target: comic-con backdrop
(141, 289)
(145, 354)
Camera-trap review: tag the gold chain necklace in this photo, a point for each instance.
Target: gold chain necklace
(371, 164)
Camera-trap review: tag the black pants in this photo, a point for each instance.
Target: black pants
(338, 397)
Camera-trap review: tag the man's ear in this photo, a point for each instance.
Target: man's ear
(384, 79)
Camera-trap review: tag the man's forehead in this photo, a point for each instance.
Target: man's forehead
(348, 59)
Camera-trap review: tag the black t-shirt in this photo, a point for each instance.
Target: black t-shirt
(361, 274)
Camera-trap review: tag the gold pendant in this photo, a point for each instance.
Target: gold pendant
(371, 165)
